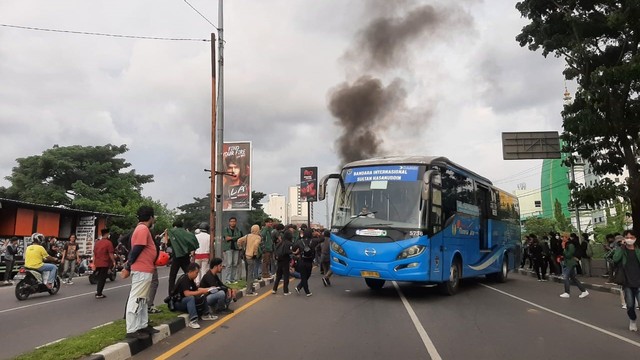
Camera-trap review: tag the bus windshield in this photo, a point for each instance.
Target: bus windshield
(381, 196)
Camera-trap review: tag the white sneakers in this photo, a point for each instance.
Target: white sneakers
(194, 324)
(209, 317)
(632, 325)
(582, 295)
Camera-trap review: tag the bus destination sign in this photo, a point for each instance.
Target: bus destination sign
(382, 173)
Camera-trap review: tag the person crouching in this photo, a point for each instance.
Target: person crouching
(220, 295)
(193, 298)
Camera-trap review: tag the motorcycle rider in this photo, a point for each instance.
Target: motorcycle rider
(34, 257)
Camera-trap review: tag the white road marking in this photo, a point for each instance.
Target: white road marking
(66, 298)
(619, 337)
(51, 343)
(431, 349)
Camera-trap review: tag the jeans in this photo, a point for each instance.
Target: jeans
(153, 288)
(251, 265)
(282, 272)
(266, 264)
(218, 300)
(231, 264)
(51, 270)
(569, 274)
(69, 268)
(8, 268)
(137, 316)
(630, 297)
(188, 304)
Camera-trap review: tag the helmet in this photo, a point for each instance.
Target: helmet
(203, 226)
(37, 238)
(163, 259)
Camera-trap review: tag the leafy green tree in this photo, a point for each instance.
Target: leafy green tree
(128, 220)
(195, 212)
(257, 214)
(539, 226)
(599, 40)
(562, 223)
(83, 177)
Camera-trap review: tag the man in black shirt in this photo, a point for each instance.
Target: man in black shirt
(218, 299)
(192, 297)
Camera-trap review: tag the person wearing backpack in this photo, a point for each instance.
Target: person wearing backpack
(305, 248)
(283, 256)
(579, 254)
(587, 253)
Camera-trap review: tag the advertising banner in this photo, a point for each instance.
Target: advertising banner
(309, 184)
(86, 234)
(236, 183)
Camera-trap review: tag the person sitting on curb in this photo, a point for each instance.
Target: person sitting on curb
(193, 299)
(219, 300)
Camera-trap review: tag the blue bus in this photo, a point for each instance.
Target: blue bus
(420, 219)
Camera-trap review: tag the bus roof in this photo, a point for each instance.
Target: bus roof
(417, 160)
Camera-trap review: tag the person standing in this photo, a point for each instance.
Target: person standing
(537, 257)
(283, 257)
(203, 250)
(140, 265)
(569, 268)
(305, 248)
(231, 234)
(628, 256)
(267, 247)
(325, 258)
(183, 244)
(249, 244)
(10, 252)
(103, 260)
(155, 281)
(69, 258)
(587, 253)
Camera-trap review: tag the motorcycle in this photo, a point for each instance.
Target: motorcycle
(111, 274)
(30, 282)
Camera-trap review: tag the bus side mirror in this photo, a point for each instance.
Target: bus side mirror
(430, 178)
(322, 187)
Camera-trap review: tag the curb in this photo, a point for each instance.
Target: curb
(613, 289)
(130, 347)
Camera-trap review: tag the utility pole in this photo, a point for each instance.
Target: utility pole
(219, 171)
(212, 215)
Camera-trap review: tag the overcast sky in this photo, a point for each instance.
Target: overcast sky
(465, 81)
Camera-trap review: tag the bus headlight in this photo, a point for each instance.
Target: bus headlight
(337, 248)
(411, 251)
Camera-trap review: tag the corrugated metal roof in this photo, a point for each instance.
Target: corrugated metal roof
(54, 208)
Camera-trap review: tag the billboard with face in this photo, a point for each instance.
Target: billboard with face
(309, 184)
(236, 182)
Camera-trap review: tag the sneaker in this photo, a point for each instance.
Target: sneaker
(328, 281)
(251, 294)
(101, 296)
(297, 290)
(209, 317)
(324, 281)
(539, 280)
(309, 294)
(565, 295)
(609, 283)
(544, 279)
(69, 282)
(624, 306)
(153, 310)
(194, 324)
(274, 292)
(287, 293)
(584, 294)
(632, 325)
(140, 335)
(225, 311)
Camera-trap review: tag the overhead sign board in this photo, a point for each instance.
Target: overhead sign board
(530, 145)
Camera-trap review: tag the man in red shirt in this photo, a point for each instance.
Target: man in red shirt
(103, 259)
(141, 265)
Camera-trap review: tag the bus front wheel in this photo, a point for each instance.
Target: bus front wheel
(450, 287)
(375, 284)
(501, 276)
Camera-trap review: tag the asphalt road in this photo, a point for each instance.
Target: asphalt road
(520, 319)
(44, 318)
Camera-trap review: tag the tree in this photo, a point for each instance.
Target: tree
(562, 223)
(196, 212)
(83, 177)
(539, 226)
(600, 41)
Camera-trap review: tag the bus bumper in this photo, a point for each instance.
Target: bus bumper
(412, 269)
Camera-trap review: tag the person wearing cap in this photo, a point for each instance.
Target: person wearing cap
(140, 265)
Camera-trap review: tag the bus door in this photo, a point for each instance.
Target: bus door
(483, 197)
(432, 209)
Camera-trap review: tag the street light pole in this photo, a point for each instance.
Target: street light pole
(212, 214)
(219, 170)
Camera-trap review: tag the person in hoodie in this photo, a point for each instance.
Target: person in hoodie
(283, 256)
(249, 244)
(183, 244)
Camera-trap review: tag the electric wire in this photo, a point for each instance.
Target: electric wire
(102, 34)
(199, 13)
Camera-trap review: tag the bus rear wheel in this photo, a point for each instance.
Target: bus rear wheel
(375, 284)
(451, 286)
(501, 276)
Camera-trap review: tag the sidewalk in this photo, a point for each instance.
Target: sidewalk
(596, 283)
(130, 347)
